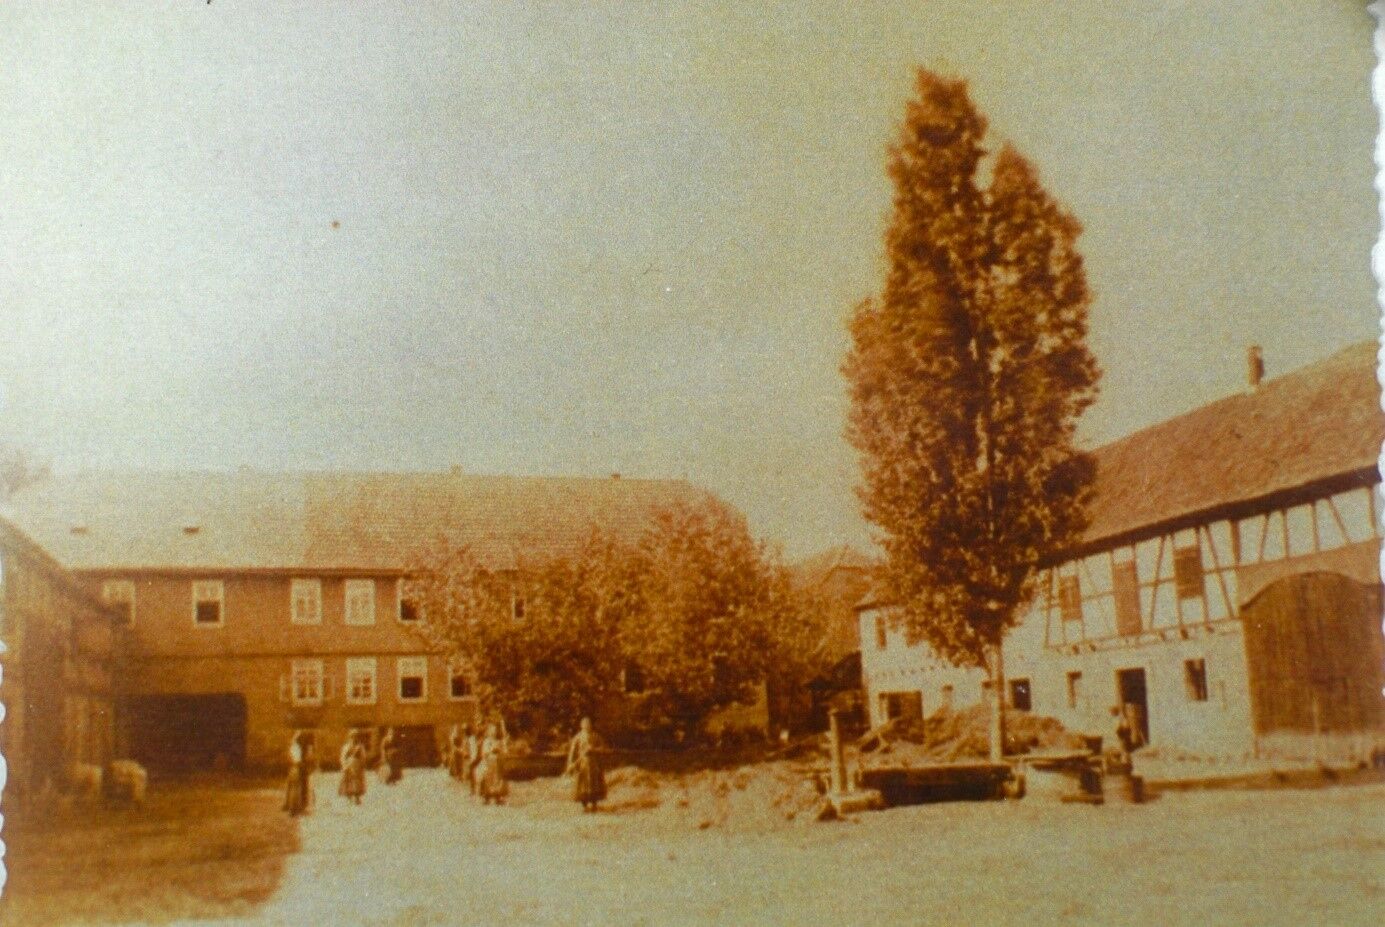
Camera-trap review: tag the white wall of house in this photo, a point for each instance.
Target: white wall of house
(1166, 620)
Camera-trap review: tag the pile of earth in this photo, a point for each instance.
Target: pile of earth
(750, 798)
(754, 797)
(948, 736)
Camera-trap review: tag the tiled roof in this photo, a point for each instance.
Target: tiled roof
(327, 521)
(1319, 422)
(1312, 425)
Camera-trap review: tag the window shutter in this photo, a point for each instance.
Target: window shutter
(1126, 583)
(1187, 572)
(283, 687)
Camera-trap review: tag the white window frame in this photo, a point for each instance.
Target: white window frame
(125, 596)
(453, 674)
(362, 668)
(307, 590)
(352, 588)
(311, 669)
(209, 590)
(410, 667)
(399, 606)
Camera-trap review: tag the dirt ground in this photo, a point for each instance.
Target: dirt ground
(199, 849)
(422, 852)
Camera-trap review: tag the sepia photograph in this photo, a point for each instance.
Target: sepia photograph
(521, 462)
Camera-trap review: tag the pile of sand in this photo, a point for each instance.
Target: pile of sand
(948, 736)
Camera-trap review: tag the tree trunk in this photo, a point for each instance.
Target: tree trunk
(997, 704)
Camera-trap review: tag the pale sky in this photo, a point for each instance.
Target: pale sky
(582, 238)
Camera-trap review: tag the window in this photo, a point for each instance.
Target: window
(306, 595)
(207, 598)
(120, 594)
(1187, 572)
(946, 696)
(1074, 689)
(1020, 697)
(517, 607)
(458, 685)
(413, 679)
(632, 678)
(360, 601)
(360, 681)
(1125, 582)
(1195, 679)
(305, 680)
(1070, 598)
(409, 609)
(880, 632)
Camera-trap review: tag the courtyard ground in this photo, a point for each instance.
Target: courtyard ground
(720, 847)
(423, 852)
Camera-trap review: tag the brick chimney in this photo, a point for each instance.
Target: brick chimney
(1255, 368)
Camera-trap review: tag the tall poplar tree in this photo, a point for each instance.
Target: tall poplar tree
(967, 374)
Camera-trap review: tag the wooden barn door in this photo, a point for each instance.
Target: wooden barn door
(1313, 654)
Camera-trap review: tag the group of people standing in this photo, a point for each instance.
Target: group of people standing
(354, 758)
(471, 758)
(476, 760)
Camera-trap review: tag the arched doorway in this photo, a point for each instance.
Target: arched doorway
(1314, 654)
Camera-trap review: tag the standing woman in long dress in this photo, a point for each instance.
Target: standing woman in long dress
(490, 778)
(295, 787)
(352, 769)
(588, 779)
(473, 757)
(390, 771)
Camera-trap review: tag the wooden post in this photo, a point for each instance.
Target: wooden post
(838, 755)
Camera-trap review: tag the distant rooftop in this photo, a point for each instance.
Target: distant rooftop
(250, 519)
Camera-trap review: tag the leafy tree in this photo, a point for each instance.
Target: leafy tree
(967, 375)
(716, 615)
(540, 646)
(694, 609)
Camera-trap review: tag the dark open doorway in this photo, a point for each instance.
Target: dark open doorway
(1134, 699)
(187, 733)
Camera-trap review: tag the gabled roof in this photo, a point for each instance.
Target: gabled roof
(253, 520)
(1320, 423)
(817, 569)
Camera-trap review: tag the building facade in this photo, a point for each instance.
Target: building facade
(1228, 588)
(251, 604)
(57, 670)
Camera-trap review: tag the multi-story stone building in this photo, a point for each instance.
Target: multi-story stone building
(256, 603)
(1228, 588)
(57, 669)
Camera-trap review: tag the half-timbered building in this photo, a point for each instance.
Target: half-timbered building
(1228, 587)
